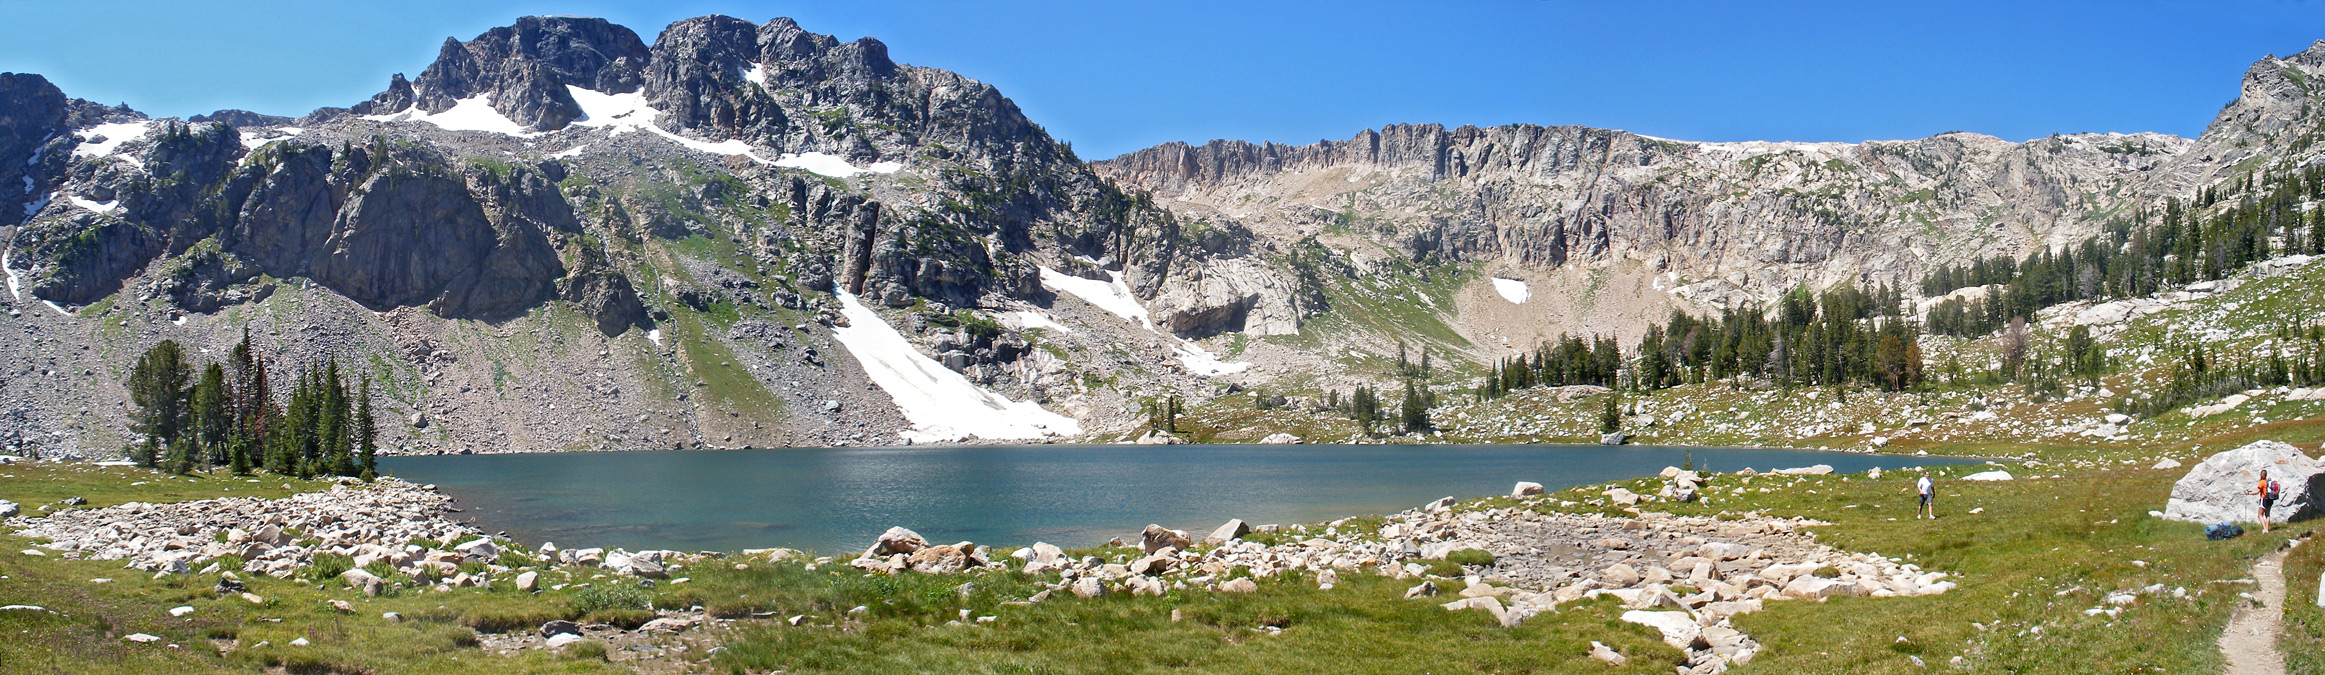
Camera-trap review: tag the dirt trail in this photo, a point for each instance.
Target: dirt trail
(2250, 642)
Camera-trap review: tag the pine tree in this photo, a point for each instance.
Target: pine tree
(212, 426)
(181, 455)
(1414, 410)
(367, 434)
(1610, 418)
(157, 386)
(1364, 405)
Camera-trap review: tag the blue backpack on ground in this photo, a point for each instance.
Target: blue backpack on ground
(2223, 530)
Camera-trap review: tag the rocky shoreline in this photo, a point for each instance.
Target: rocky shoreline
(1684, 576)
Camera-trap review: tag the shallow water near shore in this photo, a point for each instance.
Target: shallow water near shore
(835, 500)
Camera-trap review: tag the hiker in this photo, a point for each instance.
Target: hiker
(1928, 492)
(2267, 490)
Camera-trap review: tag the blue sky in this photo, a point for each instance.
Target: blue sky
(1112, 77)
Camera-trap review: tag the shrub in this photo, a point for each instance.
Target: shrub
(625, 619)
(611, 596)
(586, 650)
(327, 566)
(1470, 557)
(500, 619)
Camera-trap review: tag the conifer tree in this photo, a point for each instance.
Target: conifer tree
(211, 423)
(157, 386)
(367, 434)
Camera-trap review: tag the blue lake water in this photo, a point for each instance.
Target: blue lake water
(839, 499)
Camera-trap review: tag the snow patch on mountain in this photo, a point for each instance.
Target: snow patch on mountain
(474, 113)
(1512, 290)
(942, 405)
(113, 136)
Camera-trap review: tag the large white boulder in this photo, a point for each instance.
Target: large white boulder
(2215, 490)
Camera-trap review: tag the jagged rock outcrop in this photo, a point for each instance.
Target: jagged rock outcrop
(1759, 217)
(413, 233)
(32, 112)
(524, 69)
(242, 118)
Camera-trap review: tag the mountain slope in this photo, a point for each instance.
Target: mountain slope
(558, 236)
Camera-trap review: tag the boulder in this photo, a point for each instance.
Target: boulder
(1153, 565)
(1157, 537)
(1089, 587)
(2168, 463)
(938, 559)
(1280, 439)
(1679, 630)
(1622, 497)
(1995, 476)
(1239, 585)
(1608, 654)
(1232, 530)
(898, 540)
(1813, 587)
(479, 549)
(1525, 489)
(8, 509)
(362, 580)
(1429, 589)
(1489, 605)
(560, 627)
(2215, 490)
(529, 582)
(1619, 576)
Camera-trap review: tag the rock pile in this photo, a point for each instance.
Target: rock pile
(273, 537)
(1685, 576)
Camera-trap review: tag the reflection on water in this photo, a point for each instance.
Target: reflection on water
(839, 499)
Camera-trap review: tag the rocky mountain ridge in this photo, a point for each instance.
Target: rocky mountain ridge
(560, 237)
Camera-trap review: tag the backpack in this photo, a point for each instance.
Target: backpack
(2223, 530)
(2272, 491)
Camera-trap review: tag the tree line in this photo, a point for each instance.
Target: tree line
(1844, 334)
(2152, 250)
(229, 417)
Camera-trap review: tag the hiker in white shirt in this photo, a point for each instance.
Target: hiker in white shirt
(1928, 497)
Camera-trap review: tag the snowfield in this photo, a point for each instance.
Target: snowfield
(115, 135)
(1027, 320)
(1512, 290)
(943, 405)
(620, 113)
(1114, 297)
(474, 113)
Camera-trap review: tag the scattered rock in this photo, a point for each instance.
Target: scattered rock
(1428, 589)
(1608, 654)
(1239, 585)
(1089, 587)
(1526, 489)
(1157, 537)
(1231, 531)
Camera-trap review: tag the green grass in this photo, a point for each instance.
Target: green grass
(1365, 625)
(2304, 637)
(439, 634)
(2032, 540)
(33, 485)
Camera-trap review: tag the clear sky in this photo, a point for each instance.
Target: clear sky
(1112, 77)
